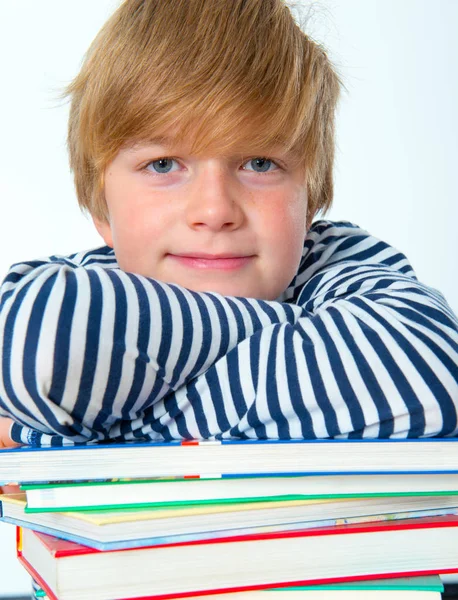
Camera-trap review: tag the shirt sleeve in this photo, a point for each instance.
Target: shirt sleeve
(356, 347)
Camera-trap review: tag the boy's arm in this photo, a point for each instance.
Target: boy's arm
(374, 354)
(363, 350)
(86, 346)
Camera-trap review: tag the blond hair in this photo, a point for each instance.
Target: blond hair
(220, 73)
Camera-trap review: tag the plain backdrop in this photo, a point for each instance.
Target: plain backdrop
(397, 133)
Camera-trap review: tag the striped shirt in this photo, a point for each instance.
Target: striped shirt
(355, 347)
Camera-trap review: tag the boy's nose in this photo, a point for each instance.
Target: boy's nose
(214, 200)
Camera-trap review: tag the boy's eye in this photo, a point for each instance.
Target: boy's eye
(261, 165)
(161, 165)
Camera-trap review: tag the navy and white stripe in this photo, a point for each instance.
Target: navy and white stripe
(355, 347)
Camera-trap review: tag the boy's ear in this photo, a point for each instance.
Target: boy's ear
(104, 229)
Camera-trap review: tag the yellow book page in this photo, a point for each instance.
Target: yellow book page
(121, 516)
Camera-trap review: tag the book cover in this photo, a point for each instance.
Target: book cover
(244, 457)
(242, 563)
(131, 529)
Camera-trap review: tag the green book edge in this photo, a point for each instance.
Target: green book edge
(181, 503)
(431, 583)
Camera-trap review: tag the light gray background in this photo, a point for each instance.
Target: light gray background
(396, 172)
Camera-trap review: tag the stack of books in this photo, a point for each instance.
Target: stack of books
(252, 520)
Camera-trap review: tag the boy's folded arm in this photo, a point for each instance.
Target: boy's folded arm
(382, 362)
(85, 347)
(379, 361)
(91, 352)
(374, 354)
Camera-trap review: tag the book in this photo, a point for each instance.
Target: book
(111, 530)
(247, 457)
(111, 494)
(128, 528)
(402, 588)
(241, 563)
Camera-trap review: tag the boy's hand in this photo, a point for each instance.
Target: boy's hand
(5, 440)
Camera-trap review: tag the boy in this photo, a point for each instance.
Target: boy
(201, 137)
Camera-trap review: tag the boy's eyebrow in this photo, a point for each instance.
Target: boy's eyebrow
(169, 143)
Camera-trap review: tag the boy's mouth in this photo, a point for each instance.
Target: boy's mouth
(222, 262)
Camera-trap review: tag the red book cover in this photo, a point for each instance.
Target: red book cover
(61, 549)
(52, 596)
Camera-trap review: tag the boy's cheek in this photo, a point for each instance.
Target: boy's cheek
(137, 256)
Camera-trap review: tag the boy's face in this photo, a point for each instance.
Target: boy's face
(233, 225)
